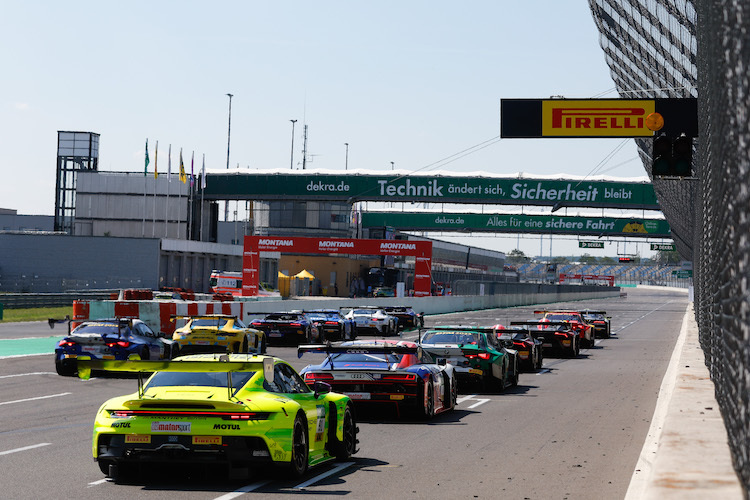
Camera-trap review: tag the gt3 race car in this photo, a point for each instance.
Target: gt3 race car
(406, 316)
(577, 323)
(530, 350)
(385, 371)
(332, 325)
(239, 410)
(287, 327)
(600, 322)
(217, 333)
(373, 319)
(116, 338)
(557, 336)
(475, 353)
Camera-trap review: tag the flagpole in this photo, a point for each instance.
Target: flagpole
(156, 176)
(145, 190)
(169, 181)
(203, 188)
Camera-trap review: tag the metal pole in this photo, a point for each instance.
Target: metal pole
(229, 137)
(346, 164)
(291, 161)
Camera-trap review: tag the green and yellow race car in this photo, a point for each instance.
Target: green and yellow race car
(217, 333)
(237, 410)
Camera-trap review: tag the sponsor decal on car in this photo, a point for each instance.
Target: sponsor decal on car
(137, 438)
(206, 439)
(181, 427)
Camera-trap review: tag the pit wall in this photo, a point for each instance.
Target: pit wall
(157, 314)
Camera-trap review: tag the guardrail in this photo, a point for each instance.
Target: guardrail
(33, 300)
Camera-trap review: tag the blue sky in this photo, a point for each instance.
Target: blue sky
(409, 82)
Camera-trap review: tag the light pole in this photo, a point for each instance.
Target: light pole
(229, 137)
(346, 164)
(392, 167)
(291, 162)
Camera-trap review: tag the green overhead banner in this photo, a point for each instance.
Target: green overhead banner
(433, 189)
(516, 223)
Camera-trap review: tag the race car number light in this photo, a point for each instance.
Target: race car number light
(318, 376)
(481, 355)
(400, 376)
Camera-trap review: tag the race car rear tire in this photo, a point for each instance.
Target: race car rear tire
(64, 369)
(144, 354)
(345, 448)
(263, 346)
(245, 347)
(174, 351)
(429, 408)
(454, 392)
(300, 447)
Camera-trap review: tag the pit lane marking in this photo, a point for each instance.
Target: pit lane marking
(472, 397)
(643, 316)
(324, 475)
(16, 450)
(35, 399)
(97, 483)
(243, 490)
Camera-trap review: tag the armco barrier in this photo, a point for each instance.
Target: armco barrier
(157, 313)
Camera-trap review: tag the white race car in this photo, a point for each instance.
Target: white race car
(373, 319)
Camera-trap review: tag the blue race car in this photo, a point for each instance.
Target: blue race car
(385, 372)
(113, 339)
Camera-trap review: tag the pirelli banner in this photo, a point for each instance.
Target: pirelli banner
(519, 223)
(421, 250)
(534, 118)
(433, 189)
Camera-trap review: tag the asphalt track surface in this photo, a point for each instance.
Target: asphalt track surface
(572, 431)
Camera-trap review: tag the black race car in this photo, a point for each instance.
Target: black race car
(407, 318)
(600, 321)
(530, 349)
(287, 328)
(558, 337)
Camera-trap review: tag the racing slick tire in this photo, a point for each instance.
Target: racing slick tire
(65, 369)
(300, 447)
(144, 354)
(308, 335)
(245, 347)
(174, 351)
(429, 409)
(263, 345)
(344, 449)
(454, 393)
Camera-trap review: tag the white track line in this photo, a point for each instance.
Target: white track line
(27, 374)
(97, 483)
(8, 452)
(324, 475)
(35, 399)
(243, 490)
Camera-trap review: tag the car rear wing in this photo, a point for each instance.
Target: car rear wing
(174, 317)
(540, 323)
(462, 328)
(221, 364)
(357, 349)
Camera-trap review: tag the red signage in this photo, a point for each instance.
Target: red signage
(422, 250)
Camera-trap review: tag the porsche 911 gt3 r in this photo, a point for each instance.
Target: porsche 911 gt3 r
(240, 410)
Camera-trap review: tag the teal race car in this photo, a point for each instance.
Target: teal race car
(238, 410)
(476, 354)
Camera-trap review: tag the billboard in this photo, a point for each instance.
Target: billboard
(421, 250)
(536, 118)
(519, 223)
(432, 189)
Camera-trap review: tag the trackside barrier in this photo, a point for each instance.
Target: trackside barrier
(157, 313)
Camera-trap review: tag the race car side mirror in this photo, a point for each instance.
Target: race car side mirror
(268, 369)
(321, 388)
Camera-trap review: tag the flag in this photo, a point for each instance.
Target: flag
(203, 173)
(183, 177)
(156, 160)
(169, 165)
(192, 175)
(145, 168)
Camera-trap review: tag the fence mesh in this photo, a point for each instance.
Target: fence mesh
(701, 48)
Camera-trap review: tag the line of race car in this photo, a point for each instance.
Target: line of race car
(214, 397)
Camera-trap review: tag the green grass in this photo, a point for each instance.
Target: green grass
(36, 314)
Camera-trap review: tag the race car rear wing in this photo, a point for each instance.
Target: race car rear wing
(541, 323)
(174, 317)
(357, 349)
(221, 364)
(463, 328)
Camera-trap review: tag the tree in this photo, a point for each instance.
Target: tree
(517, 256)
(588, 259)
